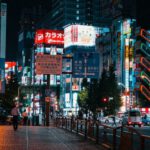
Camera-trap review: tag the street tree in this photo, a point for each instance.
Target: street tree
(11, 92)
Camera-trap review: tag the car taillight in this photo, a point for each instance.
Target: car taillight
(129, 122)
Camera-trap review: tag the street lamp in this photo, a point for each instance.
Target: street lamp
(121, 84)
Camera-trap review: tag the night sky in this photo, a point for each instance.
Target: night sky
(14, 9)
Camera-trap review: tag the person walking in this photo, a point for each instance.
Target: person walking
(25, 117)
(15, 113)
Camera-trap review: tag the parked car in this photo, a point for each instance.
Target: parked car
(146, 119)
(110, 119)
(132, 117)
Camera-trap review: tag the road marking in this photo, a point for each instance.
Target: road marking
(27, 138)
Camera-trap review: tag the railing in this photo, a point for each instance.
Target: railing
(110, 137)
(94, 130)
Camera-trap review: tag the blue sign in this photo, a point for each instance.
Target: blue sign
(2, 75)
(86, 65)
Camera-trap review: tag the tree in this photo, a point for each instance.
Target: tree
(11, 91)
(83, 96)
(113, 92)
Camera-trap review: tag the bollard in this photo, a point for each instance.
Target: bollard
(142, 143)
(85, 131)
(77, 126)
(114, 139)
(97, 132)
(71, 121)
(66, 122)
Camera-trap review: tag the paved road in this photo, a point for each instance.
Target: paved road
(42, 138)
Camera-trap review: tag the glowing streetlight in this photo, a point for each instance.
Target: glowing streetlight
(121, 84)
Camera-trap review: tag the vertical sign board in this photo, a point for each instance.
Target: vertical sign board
(86, 65)
(2, 75)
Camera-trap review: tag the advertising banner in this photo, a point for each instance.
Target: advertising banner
(86, 65)
(2, 75)
(48, 64)
(54, 37)
(81, 35)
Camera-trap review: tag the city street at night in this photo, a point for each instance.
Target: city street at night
(74, 75)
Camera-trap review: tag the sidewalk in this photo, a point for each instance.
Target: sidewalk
(42, 138)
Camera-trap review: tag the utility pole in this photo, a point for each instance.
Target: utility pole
(47, 103)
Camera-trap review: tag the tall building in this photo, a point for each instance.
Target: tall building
(73, 11)
(30, 15)
(3, 22)
(112, 9)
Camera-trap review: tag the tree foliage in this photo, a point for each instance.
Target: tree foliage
(93, 92)
(11, 91)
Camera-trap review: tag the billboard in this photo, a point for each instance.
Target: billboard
(10, 65)
(86, 65)
(48, 64)
(2, 75)
(80, 35)
(43, 36)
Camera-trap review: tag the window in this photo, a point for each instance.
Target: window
(77, 12)
(77, 18)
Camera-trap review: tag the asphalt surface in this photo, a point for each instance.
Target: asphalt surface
(42, 138)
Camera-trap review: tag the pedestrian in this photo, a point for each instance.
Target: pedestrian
(25, 117)
(15, 113)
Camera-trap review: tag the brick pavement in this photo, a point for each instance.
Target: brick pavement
(42, 138)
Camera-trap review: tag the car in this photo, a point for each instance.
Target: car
(110, 119)
(146, 119)
(132, 117)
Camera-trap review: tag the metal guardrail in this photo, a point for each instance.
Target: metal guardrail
(112, 138)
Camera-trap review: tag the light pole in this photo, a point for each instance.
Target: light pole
(121, 84)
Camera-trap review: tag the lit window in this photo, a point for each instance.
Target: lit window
(77, 6)
(77, 18)
(77, 12)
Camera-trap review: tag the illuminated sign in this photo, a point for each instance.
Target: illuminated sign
(126, 27)
(81, 35)
(49, 37)
(48, 64)
(127, 64)
(86, 65)
(9, 65)
(2, 75)
(67, 100)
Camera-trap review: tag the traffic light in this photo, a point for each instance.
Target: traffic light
(105, 99)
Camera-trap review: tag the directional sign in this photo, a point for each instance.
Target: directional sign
(86, 64)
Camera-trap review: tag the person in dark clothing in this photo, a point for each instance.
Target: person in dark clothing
(25, 117)
(15, 113)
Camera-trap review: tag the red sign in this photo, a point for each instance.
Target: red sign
(10, 65)
(48, 64)
(49, 37)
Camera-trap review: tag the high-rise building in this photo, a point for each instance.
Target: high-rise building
(112, 9)
(30, 15)
(3, 15)
(73, 11)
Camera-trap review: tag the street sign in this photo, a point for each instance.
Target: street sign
(86, 64)
(48, 64)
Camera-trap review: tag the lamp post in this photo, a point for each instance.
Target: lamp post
(121, 84)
